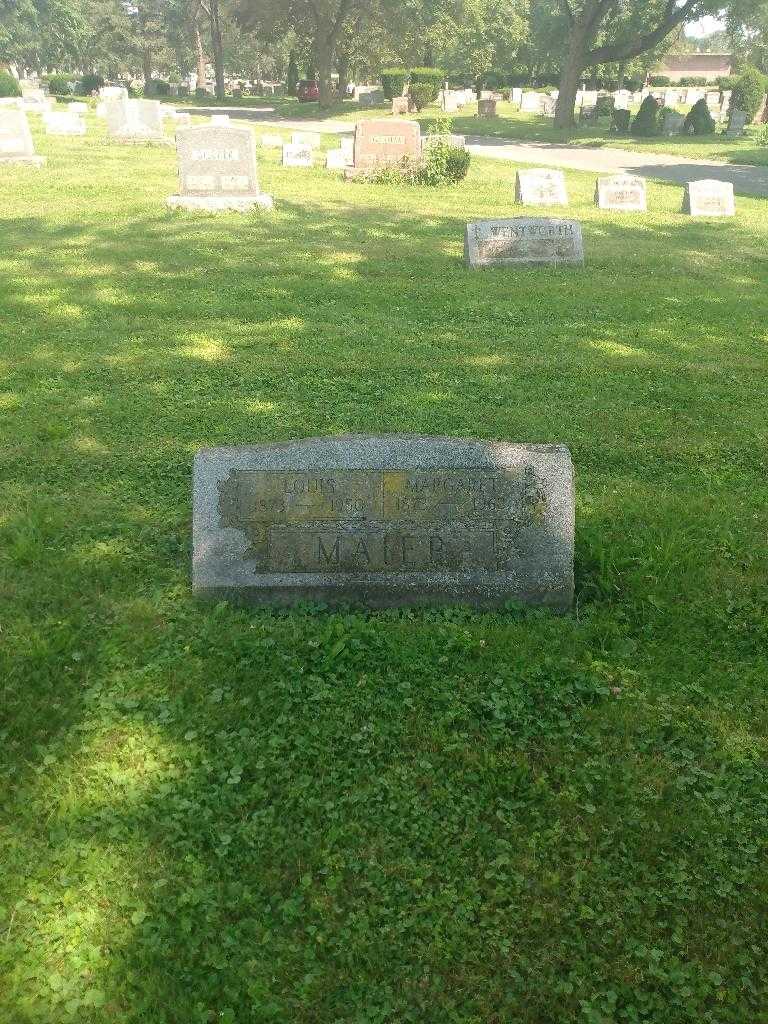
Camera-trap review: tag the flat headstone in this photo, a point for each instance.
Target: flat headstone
(709, 198)
(16, 146)
(296, 156)
(312, 139)
(522, 241)
(385, 521)
(540, 186)
(486, 108)
(272, 141)
(737, 121)
(385, 141)
(621, 192)
(673, 123)
(63, 122)
(217, 170)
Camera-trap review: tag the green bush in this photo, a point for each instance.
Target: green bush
(8, 85)
(699, 120)
(89, 83)
(727, 81)
(421, 94)
(691, 81)
(156, 87)
(430, 77)
(58, 85)
(748, 92)
(292, 76)
(646, 120)
(393, 81)
(657, 81)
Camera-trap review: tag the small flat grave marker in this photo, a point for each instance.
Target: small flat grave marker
(522, 241)
(385, 521)
(296, 156)
(541, 187)
(621, 192)
(709, 198)
(217, 170)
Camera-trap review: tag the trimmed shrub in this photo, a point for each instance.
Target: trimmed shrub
(691, 81)
(657, 81)
(431, 77)
(89, 84)
(393, 81)
(421, 94)
(292, 75)
(699, 121)
(748, 92)
(646, 120)
(727, 81)
(8, 85)
(604, 106)
(58, 85)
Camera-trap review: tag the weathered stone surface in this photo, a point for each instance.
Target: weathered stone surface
(400, 104)
(296, 156)
(16, 146)
(455, 141)
(540, 187)
(385, 141)
(336, 160)
(135, 122)
(217, 170)
(673, 123)
(385, 521)
(522, 241)
(533, 103)
(709, 198)
(63, 122)
(737, 121)
(621, 192)
(486, 108)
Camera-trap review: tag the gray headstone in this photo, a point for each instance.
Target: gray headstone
(16, 146)
(737, 121)
(522, 241)
(385, 521)
(217, 169)
(540, 187)
(486, 108)
(709, 198)
(621, 192)
(673, 123)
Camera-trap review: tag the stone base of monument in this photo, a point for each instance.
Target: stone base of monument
(31, 161)
(219, 204)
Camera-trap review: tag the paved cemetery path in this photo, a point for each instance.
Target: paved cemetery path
(746, 180)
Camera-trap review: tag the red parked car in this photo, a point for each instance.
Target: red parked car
(307, 92)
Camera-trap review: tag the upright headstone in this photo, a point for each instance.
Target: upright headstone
(400, 104)
(385, 141)
(312, 139)
(16, 146)
(516, 96)
(623, 192)
(135, 121)
(217, 170)
(336, 160)
(709, 198)
(296, 156)
(449, 103)
(34, 99)
(540, 186)
(532, 103)
(347, 146)
(63, 122)
(371, 99)
(673, 123)
(522, 241)
(385, 521)
(486, 108)
(736, 123)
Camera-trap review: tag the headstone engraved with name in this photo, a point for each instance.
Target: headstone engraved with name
(540, 187)
(709, 198)
(486, 108)
(217, 170)
(297, 156)
(385, 521)
(135, 122)
(621, 192)
(379, 142)
(16, 146)
(522, 241)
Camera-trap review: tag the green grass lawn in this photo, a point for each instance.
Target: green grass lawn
(221, 815)
(517, 127)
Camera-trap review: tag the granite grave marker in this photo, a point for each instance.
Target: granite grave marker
(540, 186)
(522, 241)
(217, 170)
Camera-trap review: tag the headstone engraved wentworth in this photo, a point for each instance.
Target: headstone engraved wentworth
(709, 198)
(383, 521)
(217, 170)
(621, 192)
(385, 141)
(16, 146)
(540, 187)
(522, 241)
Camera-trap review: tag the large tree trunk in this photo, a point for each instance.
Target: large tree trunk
(342, 66)
(200, 57)
(570, 75)
(218, 49)
(324, 63)
(146, 64)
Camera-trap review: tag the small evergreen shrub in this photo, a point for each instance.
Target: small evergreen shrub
(657, 81)
(58, 85)
(748, 92)
(421, 94)
(691, 81)
(89, 84)
(431, 77)
(699, 121)
(292, 76)
(604, 106)
(8, 85)
(393, 81)
(156, 87)
(727, 81)
(646, 120)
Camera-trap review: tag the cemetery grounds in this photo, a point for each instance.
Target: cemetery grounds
(212, 814)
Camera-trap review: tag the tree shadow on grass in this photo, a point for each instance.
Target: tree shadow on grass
(232, 815)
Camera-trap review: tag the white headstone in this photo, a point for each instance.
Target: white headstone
(16, 146)
(517, 95)
(624, 192)
(709, 198)
(541, 187)
(336, 159)
(532, 103)
(63, 122)
(296, 156)
(219, 120)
